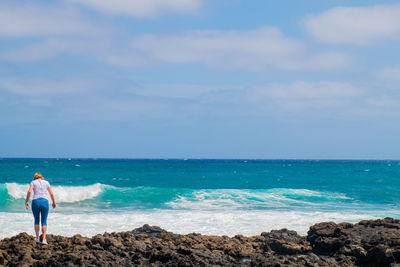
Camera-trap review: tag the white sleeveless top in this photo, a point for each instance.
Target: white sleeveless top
(40, 189)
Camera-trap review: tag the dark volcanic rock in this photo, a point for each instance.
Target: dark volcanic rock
(150, 230)
(286, 242)
(367, 243)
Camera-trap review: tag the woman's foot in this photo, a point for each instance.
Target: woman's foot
(37, 239)
(44, 241)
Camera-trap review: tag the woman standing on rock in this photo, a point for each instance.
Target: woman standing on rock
(40, 204)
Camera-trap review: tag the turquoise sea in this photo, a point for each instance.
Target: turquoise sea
(224, 197)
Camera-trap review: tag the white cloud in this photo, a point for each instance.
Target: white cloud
(187, 91)
(28, 19)
(49, 48)
(72, 97)
(356, 25)
(45, 49)
(100, 99)
(257, 49)
(45, 87)
(253, 50)
(307, 95)
(391, 73)
(142, 8)
(62, 29)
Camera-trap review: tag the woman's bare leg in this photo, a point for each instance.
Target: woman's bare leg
(37, 230)
(44, 230)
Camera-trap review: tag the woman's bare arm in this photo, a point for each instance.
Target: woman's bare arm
(52, 197)
(28, 195)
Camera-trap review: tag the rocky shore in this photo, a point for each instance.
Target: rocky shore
(367, 243)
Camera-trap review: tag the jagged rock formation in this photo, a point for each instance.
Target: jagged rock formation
(367, 243)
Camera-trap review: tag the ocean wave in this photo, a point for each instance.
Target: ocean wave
(63, 194)
(103, 196)
(254, 199)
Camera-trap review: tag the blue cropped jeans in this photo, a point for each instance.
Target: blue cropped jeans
(40, 208)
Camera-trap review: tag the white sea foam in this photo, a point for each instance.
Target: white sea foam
(245, 198)
(63, 194)
(77, 193)
(17, 190)
(205, 222)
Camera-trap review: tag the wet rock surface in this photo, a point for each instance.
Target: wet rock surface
(367, 243)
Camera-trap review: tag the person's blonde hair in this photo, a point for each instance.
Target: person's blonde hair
(37, 176)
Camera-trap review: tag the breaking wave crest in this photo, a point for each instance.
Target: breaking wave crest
(64, 194)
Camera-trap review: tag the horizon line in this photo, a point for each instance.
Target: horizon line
(196, 158)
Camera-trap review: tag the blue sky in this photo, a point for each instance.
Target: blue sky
(200, 79)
